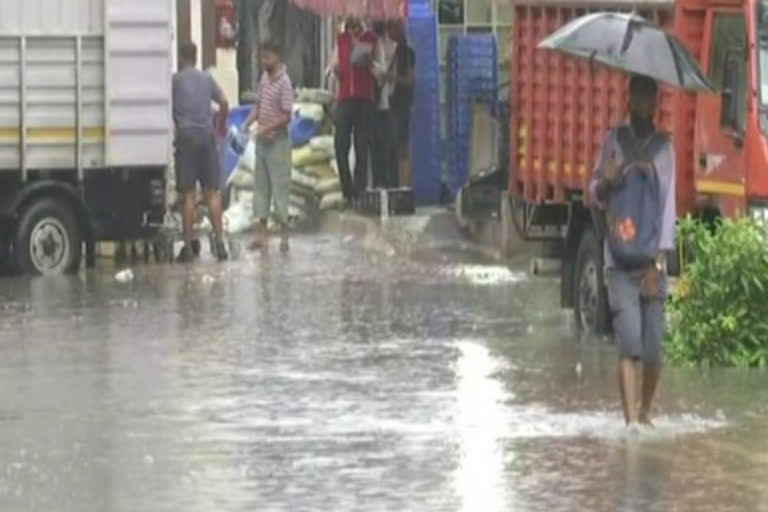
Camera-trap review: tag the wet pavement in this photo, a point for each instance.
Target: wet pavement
(346, 380)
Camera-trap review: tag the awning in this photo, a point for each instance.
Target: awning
(367, 9)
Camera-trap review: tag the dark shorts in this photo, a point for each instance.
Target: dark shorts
(197, 160)
(638, 324)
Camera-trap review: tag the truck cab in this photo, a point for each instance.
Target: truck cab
(562, 108)
(731, 144)
(85, 128)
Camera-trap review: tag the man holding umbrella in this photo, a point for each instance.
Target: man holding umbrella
(633, 186)
(636, 292)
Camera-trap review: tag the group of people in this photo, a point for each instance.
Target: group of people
(633, 181)
(375, 75)
(196, 159)
(374, 71)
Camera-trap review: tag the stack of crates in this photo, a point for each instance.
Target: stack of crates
(473, 78)
(425, 114)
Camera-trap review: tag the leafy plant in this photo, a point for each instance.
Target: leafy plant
(719, 312)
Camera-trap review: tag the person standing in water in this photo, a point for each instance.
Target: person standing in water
(353, 62)
(636, 292)
(196, 158)
(401, 101)
(272, 178)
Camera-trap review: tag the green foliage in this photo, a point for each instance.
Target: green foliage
(719, 313)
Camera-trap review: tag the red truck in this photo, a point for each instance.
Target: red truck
(561, 109)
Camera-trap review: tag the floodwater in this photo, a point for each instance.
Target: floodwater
(336, 379)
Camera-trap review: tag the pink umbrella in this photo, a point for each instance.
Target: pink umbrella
(369, 9)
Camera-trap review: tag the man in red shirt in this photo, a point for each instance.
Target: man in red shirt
(353, 65)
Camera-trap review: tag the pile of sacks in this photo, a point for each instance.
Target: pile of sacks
(315, 177)
(315, 183)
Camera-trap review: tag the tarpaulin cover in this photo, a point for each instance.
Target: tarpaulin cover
(376, 9)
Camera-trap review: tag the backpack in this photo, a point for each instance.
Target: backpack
(633, 213)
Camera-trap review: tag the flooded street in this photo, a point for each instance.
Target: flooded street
(343, 380)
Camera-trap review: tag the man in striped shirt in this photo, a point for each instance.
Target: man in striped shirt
(272, 112)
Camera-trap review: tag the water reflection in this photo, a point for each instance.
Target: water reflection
(339, 380)
(482, 423)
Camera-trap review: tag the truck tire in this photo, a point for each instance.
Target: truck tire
(48, 239)
(590, 295)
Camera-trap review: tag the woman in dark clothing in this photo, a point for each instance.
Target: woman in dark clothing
(401, 99)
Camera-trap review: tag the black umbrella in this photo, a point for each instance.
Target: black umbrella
(630, 43)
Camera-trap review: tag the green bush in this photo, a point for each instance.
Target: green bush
(719, 312)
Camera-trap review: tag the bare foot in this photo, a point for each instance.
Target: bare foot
(261, 239)
(285, 246)
(644, 418)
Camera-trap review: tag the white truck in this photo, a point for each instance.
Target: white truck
(85, 126)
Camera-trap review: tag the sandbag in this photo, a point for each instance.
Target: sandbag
(305, 156)
(323, 143)
(238, 218)
(328, 185)
(296, 212)
(319, 96)
(302, 131)
(298, 200)
(242, 179)
(312, 111)
(303, 178)
(320, 171)
(305, 192)
(332, 200)
(248, 159)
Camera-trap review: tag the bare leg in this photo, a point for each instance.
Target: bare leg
(628, 389)
(213, 199)
(261, 235)
(405, 171)
(188, 216)
(285, 245)
(651, 375)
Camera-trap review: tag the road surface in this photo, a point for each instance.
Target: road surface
(338, 379)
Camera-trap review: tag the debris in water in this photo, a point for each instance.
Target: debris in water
(149, 460)
(124, 276)
(208, 279)
(578, 369)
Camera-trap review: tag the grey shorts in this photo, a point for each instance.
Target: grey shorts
(197, 160)
(638, 324)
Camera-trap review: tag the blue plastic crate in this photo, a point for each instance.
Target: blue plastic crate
(472, 73)
(425, 116)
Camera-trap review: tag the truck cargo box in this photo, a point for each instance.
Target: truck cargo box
(561, 108)
(85, 84)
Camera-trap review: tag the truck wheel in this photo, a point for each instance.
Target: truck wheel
(48, 240)
(590, 295)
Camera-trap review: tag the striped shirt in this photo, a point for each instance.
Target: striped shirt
(274, 97)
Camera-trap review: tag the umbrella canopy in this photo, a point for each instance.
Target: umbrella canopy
(367, 9)
(630, 43)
